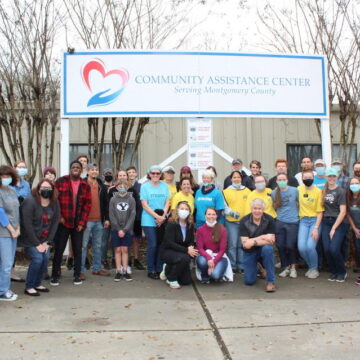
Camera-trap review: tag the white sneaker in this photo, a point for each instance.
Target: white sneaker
(293, 273)
(8, 296)
(128, 270)
(313, 274)
(307, 273)
(285, 273)
(162, 274)
(278, 265)
(174, 284)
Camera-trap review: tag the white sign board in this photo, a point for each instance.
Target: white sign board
(200, 147)
(159, 83)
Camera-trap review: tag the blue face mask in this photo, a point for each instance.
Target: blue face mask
(22, 171)
(236, 185)
(355, 188)
(337, 168)
(260, 186)
(282, 184)
(6, 181)
(320, 171)
(209, 184)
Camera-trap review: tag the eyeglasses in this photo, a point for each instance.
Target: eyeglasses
(155, 173)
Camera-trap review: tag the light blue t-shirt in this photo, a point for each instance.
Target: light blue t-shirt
(203, 201)
(320, 182)
(156, 197)
(288, 212)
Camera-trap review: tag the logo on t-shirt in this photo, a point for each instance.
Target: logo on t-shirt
(122, 206)
(330, 198)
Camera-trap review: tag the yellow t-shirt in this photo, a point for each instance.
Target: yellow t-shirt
(263, 195)
(236, 200)
(310, 201)
(172, 191)
(180, 196)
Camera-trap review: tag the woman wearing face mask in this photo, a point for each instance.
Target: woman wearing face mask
(310, 213)
(40, 219)
(178, 247)
(353, 208)
(185, 194)
(208, 196)
(9, 229)
(285, 202)
(235, 197)
(22, 187)
(211, 243)
(263, 193)
(122, 211)
(333, 226)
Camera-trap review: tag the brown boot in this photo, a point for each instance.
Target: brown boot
(270, 287)
(101, 273)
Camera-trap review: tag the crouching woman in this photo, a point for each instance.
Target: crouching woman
(177, 248)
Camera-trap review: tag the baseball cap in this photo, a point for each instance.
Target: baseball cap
(237, 161)
(185, 169)
(319, 162)
(331, 172)
(107, 170)
(168, 169)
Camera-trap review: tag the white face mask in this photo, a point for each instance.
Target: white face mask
(183, 213)
(211, 224)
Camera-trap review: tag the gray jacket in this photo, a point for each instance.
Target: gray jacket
(32, 222)
(122, 211)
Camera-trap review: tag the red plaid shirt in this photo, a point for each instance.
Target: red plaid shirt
(83, 202)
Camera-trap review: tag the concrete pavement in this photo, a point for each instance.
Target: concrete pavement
(145, 319)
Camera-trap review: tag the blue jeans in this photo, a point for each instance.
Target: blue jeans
(95, 228)
(286, 240)
(234, 251)
(7, 255)
(218, 272)
(333, 247)
(37, 267)
(154, 263)
(251, 258)
(306, 244)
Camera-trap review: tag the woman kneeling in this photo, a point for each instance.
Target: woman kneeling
(177, 248)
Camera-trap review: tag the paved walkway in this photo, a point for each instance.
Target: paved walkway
(144, 319)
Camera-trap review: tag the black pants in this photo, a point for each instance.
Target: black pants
(177, 266)
(60, 240)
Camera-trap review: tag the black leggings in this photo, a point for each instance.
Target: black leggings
(177, 266)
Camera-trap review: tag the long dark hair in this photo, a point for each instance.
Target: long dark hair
(217, 228)
(350, 196)
(278, 201)
(35, 192)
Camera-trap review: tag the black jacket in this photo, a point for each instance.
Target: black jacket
(104, 201)
(32, 222)
(173, 238)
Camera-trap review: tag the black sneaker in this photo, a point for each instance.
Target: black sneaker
(54, 281)
(70, 263)
(332, 277)
(77, 280)
(118, 276)
(153, 276)
(127, 277)
(341, 278)
(138, 265)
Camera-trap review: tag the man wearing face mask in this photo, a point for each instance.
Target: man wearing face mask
(108, 178)
(97, 222)
(320, 178)
(306, 164)
(342, 180)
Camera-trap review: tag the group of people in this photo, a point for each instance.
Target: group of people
(226, 228)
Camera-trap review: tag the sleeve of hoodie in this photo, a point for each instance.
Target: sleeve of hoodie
(132, 213)
(222, 245)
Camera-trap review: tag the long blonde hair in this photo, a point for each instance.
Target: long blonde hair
(175, 216)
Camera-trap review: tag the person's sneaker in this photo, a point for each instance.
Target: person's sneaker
(54, 281)
(270, 287)
(101, 273)
(138, 265)
(153, 275)
(128, 270)
(174, 284)
(118, 276)
(307, 273)
(285, 273)
(341, 278)
(293, 273)
(77, 280)
(162, 274)
(12, 293)
(127, 277)
(8, 296)
(205, 281)
(313, 274)
(332, 277)
(82, 276)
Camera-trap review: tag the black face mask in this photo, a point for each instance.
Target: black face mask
(308, 182)
(46, 194)
(108, 178)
